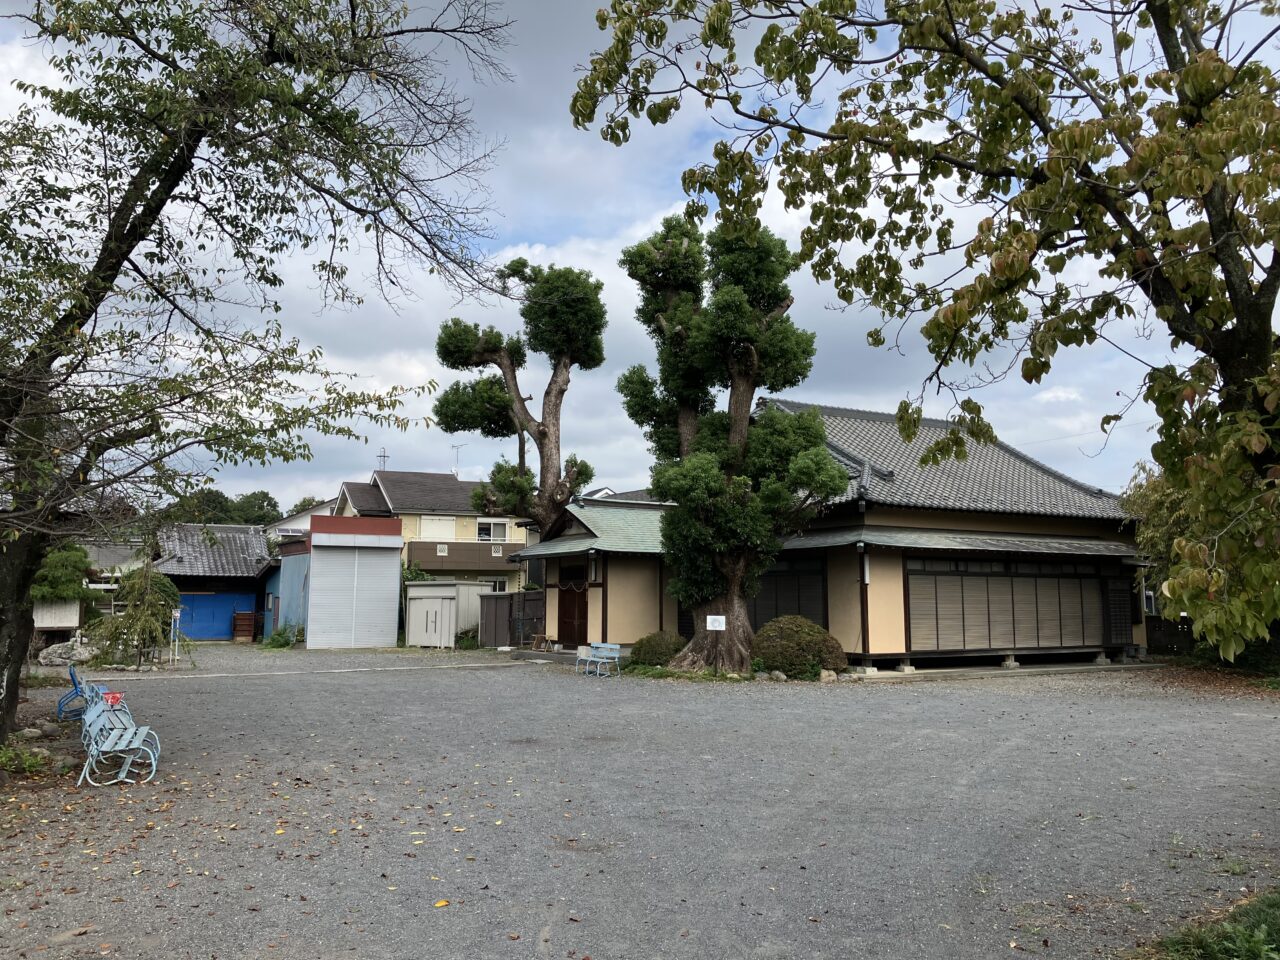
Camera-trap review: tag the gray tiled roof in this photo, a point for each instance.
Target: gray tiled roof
(614, 528)
(411, 491)
(215, 550)
(634, 496)
(995, 478)
(366, 499)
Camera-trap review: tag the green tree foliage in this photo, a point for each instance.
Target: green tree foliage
(148, 194)
(149, 599)
(563, 320)
(210, 505)
(716, 308)
(258, 508)
(1067, 167)
(304, 504)
(1162, 513)
(62, 575)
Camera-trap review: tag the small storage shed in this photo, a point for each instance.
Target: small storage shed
(435, 610)
(353, 594)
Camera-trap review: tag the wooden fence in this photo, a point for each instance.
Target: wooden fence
(511, 619)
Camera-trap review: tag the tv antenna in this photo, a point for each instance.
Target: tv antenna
(383, 457)
(456, 457)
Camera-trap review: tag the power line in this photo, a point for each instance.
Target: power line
(1089, 433)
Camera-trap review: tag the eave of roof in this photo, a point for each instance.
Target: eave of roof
(911, 538)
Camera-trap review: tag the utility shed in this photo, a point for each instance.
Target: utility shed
(353, 595)
(435, 610)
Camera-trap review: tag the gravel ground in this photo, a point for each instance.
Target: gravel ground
(321, 815)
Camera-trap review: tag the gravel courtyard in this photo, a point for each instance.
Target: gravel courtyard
(316, 814)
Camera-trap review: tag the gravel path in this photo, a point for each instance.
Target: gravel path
(322, 815)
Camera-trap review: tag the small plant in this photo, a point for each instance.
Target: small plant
(468, 639)
(532, 587)
(1251, 932)
(281, 638)
(657, 649)
(19, 762)
(412, 573)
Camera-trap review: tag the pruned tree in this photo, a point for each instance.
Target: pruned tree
(1066, 167)
(146, 202)
(741, 480)
(563, 320)
(305, 503)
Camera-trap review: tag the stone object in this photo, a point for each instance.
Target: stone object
(777, 675)
(65, 654)
(850, 675)
(762, 675)
(865, 671)
(31, 733)
(828, 676)
(1010, 663)
(1101, 660)
(905, 667)
(732, 676)
(51, 729)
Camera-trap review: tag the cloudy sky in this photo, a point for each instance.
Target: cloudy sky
(563, 196)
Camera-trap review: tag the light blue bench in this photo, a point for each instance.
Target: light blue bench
(601, 659)
(68, 709)
(117, 749)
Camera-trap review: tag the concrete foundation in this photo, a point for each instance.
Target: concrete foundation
(1009, 663)
(905, 666)
(1101, 660)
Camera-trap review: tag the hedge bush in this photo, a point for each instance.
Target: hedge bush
(468, 639)
(657, 649)
(798, 647)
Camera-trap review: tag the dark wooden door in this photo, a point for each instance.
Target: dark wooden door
(572, 626)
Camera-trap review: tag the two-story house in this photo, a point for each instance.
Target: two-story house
(443, 533)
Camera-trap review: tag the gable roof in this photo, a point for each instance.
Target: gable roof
(614, 527)
(365, 498)
(212, 550)
(411, 491)
(995, 478)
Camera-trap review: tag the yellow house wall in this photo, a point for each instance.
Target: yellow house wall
(595, 614)
(635, 598)
(844, 598)
(464, 528)
(886, 616)
(553, 597)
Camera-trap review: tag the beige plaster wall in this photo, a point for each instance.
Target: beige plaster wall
(886, 615)
(844, 598)
(634, 598)
(595, 614)
(464, 528)
(552, 596)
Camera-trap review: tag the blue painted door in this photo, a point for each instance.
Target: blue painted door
(208, 616)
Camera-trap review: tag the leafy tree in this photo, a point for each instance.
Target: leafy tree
(258, 508)
(1069, 166)
(306, 503)
(564, 320)
(146, 200)
(149, 599)
(61, 577)
(207, 505)
(717, 311)
(1163, 516)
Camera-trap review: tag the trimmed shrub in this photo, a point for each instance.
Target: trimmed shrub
(468, 639)
(798, 647)
(281, 638)
(657, 649)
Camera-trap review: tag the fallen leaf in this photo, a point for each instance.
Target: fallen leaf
(441, 903)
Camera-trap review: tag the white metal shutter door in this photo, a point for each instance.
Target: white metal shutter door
(376, 597)
(436, 528)
(923, 612)
(333, 584)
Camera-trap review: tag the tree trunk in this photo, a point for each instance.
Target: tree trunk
(724, 651)
(19, 562)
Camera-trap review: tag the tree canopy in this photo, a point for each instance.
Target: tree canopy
(563, 320)
(305, 503)
(740, 479)
(211, 505)
(148, 196)
(62, 575)
(1013, 179)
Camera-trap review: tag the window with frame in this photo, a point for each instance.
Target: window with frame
(492, 530)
